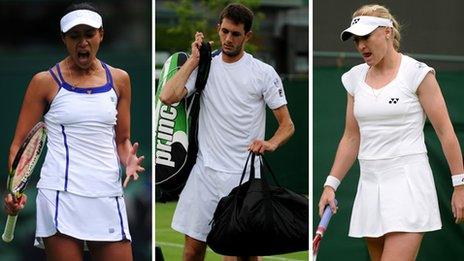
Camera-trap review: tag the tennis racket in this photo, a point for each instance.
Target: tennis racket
(22, 168)
(321, 228)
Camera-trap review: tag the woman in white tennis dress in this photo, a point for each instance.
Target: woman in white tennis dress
(389, 98)
(86, 107)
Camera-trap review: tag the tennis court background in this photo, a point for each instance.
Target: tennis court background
(430, 35)
(31, 43)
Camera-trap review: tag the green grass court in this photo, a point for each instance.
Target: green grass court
(171, 242)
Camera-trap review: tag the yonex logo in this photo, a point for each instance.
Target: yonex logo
(355, 21)
(394, 100)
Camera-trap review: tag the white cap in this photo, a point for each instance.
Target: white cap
(78, 17)
(364, 25)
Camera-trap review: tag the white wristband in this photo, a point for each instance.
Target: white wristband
(332, 182)
(458, 179)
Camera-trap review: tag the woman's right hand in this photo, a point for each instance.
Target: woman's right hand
(457, 204)
(13, 205)
(327, 198)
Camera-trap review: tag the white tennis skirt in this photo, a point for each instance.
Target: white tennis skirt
(84, 218)
(395, 195)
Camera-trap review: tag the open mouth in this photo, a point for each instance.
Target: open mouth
(367, 55)
(83, 55)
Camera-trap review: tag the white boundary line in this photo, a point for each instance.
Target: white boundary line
(175, 245)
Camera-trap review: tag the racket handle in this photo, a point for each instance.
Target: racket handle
(326, 216)
(8, 234)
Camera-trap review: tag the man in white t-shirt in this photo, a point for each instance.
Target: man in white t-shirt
(231, 122)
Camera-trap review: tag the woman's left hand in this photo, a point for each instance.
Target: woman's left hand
(457, 204)
(133, 165)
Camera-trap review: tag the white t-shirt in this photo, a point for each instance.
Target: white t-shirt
(390, 119)
(232, 109)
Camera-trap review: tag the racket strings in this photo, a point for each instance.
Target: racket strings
(28, 160)
(28, 154)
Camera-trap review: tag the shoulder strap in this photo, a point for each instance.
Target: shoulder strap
(109, 78)
(203, 67)
(59, 72)
(54, 76)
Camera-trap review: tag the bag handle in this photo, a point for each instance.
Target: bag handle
(266, 165)
(252, 167)
(263, 162)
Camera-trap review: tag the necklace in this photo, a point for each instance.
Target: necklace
(376, 92)
(75, 82)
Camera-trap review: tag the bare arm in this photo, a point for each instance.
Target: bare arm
(35, 101)
(174, 90)
(126, 151)
(281, 135)
(434, 105)
(347, 151)
(33, 107)
(348, 147)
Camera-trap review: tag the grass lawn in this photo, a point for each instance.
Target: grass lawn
(171, 242)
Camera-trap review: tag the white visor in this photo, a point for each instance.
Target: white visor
(78, 17)
(364, 25)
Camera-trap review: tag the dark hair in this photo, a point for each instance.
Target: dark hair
(82, 6)
(239, 14)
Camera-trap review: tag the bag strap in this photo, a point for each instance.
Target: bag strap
(265, 164)
(203, 67)
(252, 168)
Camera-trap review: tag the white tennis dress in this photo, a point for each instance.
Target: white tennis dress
(396, 191)
(80, 192)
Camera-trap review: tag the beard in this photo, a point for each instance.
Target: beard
(232, 53)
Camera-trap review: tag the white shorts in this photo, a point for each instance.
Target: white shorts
(198, 201)
(395, 195)
(84, 218)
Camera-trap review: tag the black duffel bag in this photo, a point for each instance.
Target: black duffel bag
(258, 219)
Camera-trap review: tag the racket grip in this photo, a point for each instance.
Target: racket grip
(326, 216)
(8, 234)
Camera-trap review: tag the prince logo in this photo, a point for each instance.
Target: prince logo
(394, 100)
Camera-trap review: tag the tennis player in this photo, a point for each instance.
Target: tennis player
(86, 107)
(389, 98)
(231, 122)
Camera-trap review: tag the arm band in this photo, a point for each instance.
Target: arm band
(458, 179)
(333, 182)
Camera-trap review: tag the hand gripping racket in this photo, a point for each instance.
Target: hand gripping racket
(321, 228)
(22, 168)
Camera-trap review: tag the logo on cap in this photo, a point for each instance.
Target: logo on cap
(355, 21)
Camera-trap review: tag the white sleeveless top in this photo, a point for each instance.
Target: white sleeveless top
(390, 119)
(81, 149)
